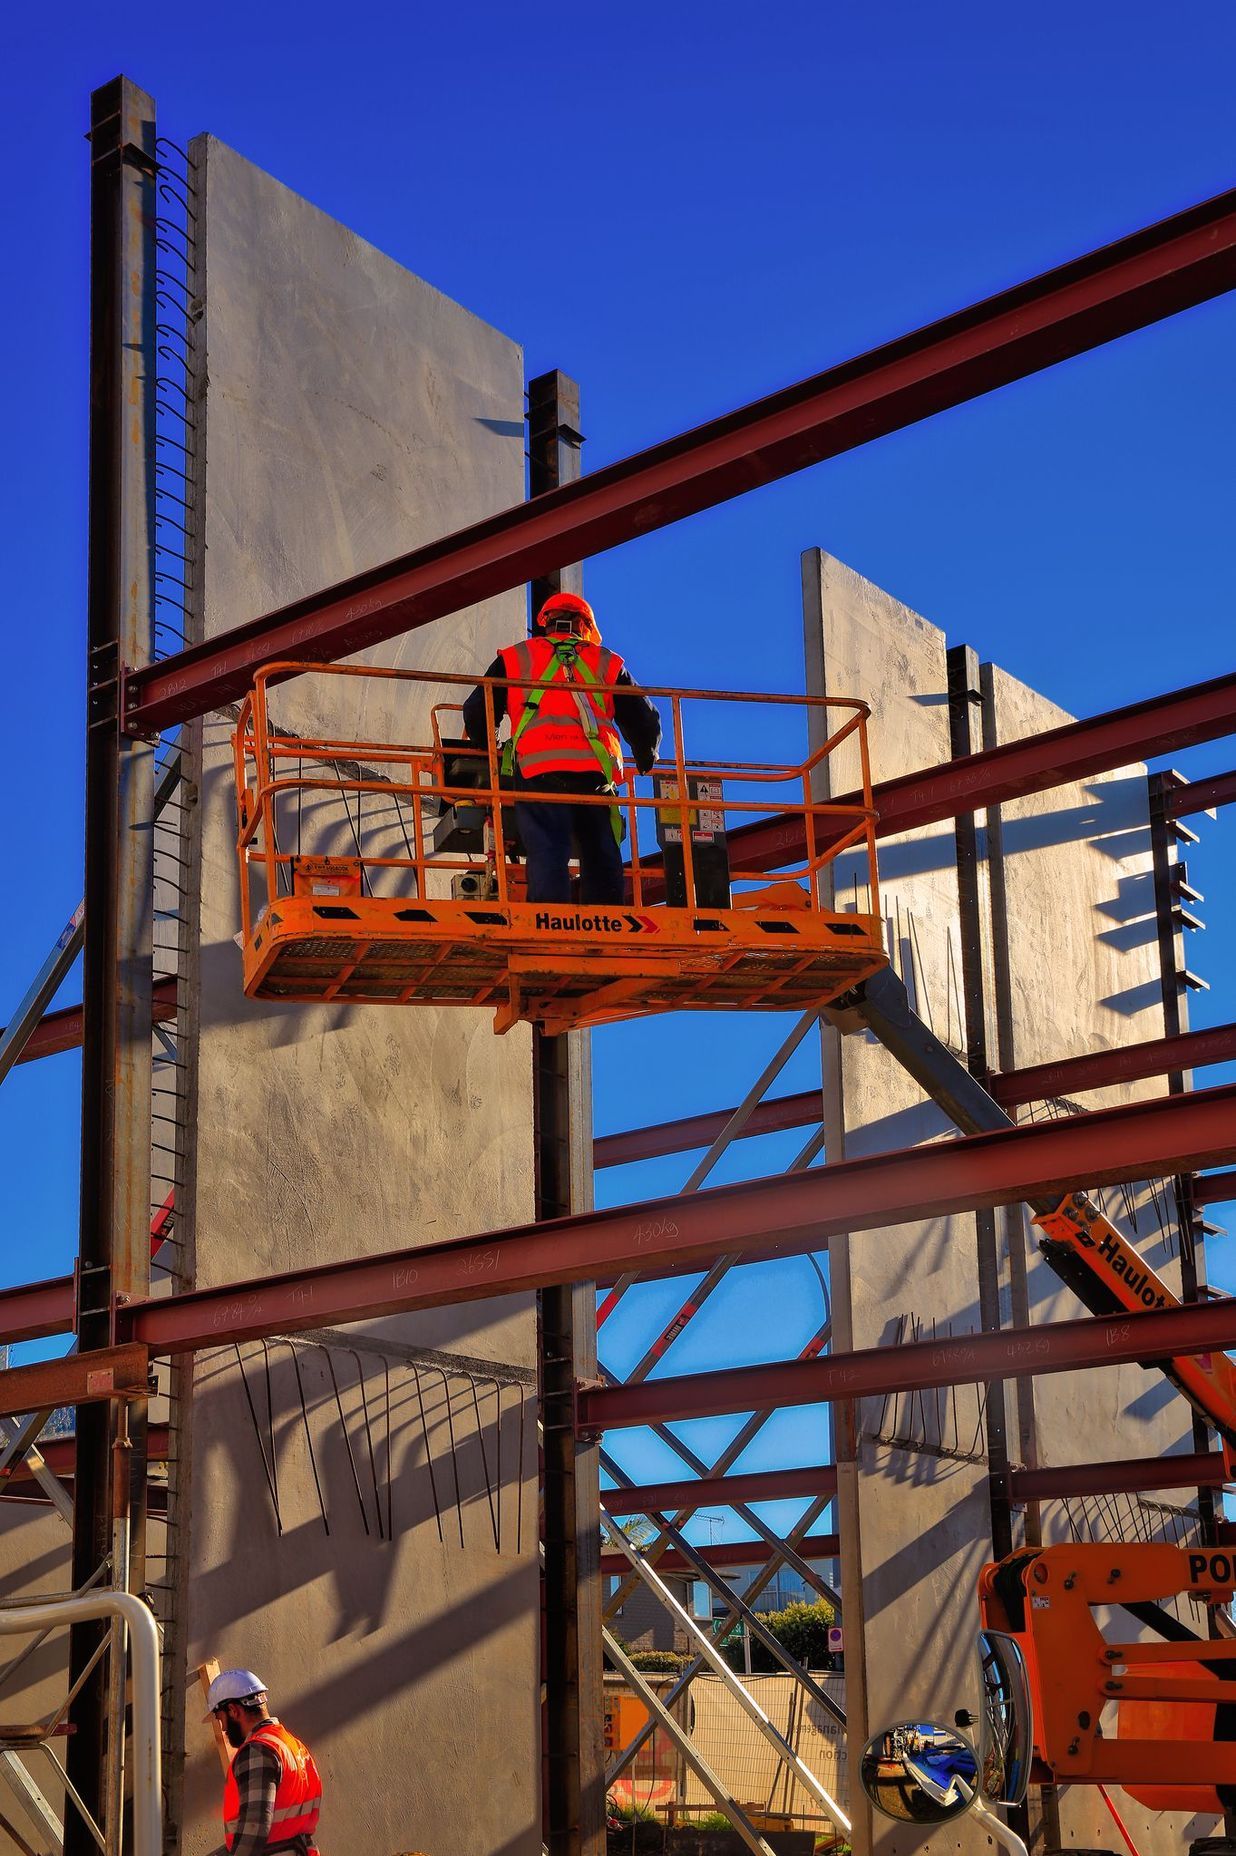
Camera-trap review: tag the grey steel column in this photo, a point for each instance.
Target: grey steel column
(1172, 899)
(573, 1755)
(114, 1258)
(965, 737)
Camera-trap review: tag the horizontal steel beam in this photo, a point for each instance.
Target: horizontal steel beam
(62, 1030)
(77, 1379)
(775, 1217)
(1153, 273)
(1219, 789)
(930, 796)
(772, 1116)
(729, 1554)
(766, 1485)
(1130, 1476)
(1214, 1188)
(1126, 1063)
(760, 1218)
(60, 1456)
(876, 1372)
(35, 1310)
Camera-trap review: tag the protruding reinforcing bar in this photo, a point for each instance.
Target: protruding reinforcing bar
(369, 871)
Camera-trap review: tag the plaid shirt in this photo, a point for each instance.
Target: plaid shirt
(256, 1771)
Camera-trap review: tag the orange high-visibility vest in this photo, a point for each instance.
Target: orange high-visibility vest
(298, 1796)
(568, 726)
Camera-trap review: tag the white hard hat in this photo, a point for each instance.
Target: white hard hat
(233, 1685)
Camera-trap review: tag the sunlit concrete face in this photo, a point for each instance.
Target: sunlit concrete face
(353, 413)
(1077, 969)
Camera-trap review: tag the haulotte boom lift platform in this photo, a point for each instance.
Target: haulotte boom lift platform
(387, 872)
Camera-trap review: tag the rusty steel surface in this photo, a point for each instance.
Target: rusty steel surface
(1152, 273)
(1214, 1188)
(774, 1115)
(1127, 1063)
(767, 1485)
(730, 1554)
(1127, 1476)
(62, 1030)
(1098, 744)
(1066, 1076)
(761, 1218)
(1014, 1353)
(60, 1456)
(79, 1379)
(1217, 789)
(34, 1310)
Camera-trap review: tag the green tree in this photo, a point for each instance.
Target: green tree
(801, 1629)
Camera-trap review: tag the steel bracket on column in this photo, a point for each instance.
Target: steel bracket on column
(586, 1433)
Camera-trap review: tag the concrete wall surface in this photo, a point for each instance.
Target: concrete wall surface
(352, 413)
(1070, 965)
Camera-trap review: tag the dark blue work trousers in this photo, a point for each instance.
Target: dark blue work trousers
(550, 832)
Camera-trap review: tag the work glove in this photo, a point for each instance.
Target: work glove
(645, 761)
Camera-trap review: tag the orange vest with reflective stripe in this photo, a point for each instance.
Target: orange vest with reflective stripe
(298, 1796)
(575, 708)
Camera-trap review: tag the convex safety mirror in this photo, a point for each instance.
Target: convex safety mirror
(1008, 1721)
(920, 1772)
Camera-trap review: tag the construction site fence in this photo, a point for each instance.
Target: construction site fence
(661, 1783)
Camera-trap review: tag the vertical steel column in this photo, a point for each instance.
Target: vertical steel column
(573, 1753)
(1171, 892)
(114, 1259)
(965, 737)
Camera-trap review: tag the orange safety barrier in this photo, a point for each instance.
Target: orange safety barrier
(389, 872)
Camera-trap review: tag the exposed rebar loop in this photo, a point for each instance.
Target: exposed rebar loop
(495, 1510)
(433, 1480)
(343, 1426)
(373, 1463)
(272, 1482)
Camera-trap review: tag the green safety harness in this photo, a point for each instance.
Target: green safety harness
(566, 659)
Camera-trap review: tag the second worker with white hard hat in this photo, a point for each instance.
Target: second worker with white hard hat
(272, 1796)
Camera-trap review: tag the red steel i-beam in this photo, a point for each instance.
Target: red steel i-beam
(1129, 1476)
(1152, 273)
(1124, 1063)
(35, 1310)
(931, 795)
(876, 1372)
(62, 1030)
(784, 1216)
(1219, 789)
(731, 1554)
(1214, 1188)
(763, 1485)
(760, 1218)
(1126, 1476)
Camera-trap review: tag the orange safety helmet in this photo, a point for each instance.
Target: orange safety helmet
(569, 613)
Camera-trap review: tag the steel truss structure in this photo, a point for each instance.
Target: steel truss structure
(1142, 278)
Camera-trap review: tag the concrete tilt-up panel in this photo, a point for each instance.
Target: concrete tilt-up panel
(352, 412)
(913, 1508)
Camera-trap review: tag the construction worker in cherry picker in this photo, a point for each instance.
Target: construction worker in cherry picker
(272, 1796)
(563, 740)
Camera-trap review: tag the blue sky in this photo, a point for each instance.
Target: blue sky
(684, 207)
